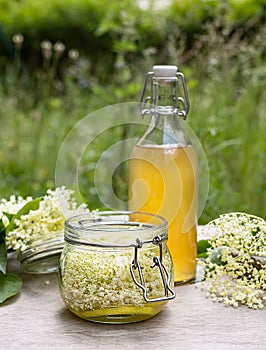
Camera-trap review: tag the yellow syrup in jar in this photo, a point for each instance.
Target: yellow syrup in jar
(121, 314)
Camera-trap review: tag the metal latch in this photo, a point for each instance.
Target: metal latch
(157, 262)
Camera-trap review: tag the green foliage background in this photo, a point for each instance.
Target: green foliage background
(218, 45)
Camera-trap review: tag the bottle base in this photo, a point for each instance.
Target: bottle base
(121, 315)
(184, 279)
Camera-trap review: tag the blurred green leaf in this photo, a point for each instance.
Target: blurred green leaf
(9, 286)
(3, 250)
(9, 216)
(216, 256)
(3, 257)
(202, 247)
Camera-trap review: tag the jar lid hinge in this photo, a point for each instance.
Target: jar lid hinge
(157, 261)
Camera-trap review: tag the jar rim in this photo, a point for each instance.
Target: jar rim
(80, 228)
(42, 257)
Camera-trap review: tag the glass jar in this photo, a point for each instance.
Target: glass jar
(115, 266)
(42, 256)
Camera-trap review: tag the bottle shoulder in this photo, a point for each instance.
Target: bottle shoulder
(164, 130)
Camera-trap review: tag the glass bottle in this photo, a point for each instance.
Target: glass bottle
(163, 168)
(115, 266)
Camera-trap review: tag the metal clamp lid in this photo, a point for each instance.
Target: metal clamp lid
(157, 261)
(165, 72)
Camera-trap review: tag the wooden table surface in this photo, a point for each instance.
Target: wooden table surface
(38, 319)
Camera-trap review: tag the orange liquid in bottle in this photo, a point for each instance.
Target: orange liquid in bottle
(163, 180)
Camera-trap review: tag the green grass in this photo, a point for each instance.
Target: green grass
(226, 83)
(231, 124)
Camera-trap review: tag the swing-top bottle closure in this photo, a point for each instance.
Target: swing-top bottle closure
(161, 75)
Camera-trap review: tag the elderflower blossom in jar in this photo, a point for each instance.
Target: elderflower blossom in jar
(115, 266)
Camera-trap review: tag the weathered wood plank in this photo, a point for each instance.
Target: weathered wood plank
(38, 319)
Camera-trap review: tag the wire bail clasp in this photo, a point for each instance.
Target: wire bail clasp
(146, 104)
(157, 262)
(184, 101)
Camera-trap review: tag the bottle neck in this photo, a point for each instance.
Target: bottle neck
(164, 92)
(165, 111)
(165, 108)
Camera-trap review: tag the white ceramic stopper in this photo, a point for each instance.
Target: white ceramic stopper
(164, 71)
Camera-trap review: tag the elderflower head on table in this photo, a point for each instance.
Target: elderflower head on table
(235, 268)
(48, 219)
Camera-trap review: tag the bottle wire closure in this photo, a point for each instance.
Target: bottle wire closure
(147, 105)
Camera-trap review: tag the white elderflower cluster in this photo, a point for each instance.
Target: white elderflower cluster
(93, 280)
(235, 268)
(43, 223)
(11, 206)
